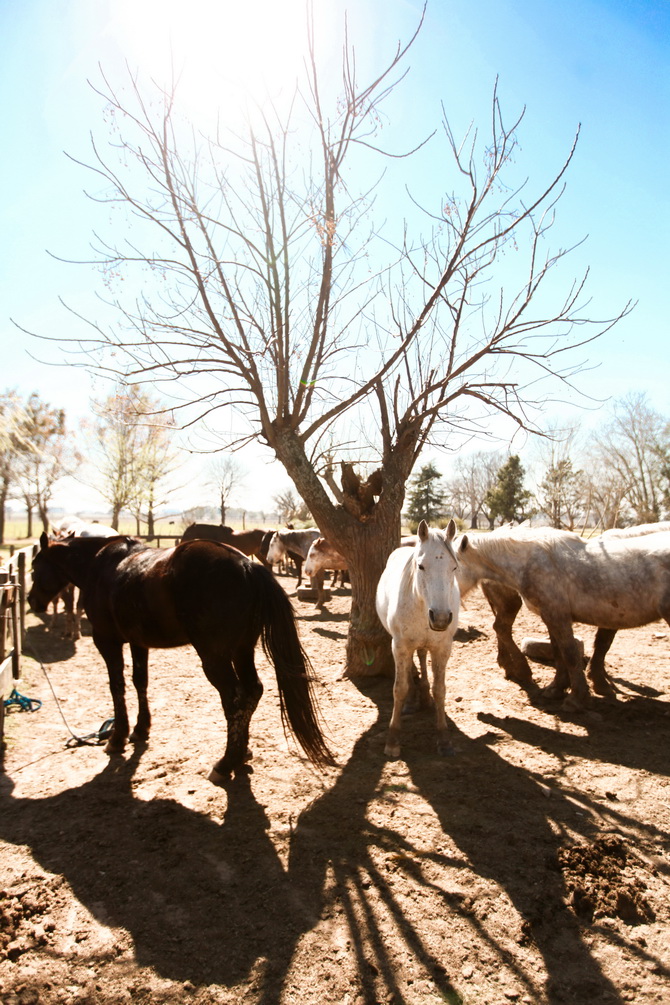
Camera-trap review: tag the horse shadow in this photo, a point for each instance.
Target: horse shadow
(184, 873)
(181, 874)
(45, 644)
(474, 817)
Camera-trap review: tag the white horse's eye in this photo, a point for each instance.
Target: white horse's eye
(421, 567)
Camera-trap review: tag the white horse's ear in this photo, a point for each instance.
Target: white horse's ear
(423, 530)
(451, 530)
(464, 545)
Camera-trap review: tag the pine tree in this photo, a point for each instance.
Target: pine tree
(508, 498)
(426, 498)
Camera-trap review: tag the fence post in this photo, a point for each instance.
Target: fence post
(21, 569)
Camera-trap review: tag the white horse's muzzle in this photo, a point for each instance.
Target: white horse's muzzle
(440, 622)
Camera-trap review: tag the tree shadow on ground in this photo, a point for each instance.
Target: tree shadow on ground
(214, 904)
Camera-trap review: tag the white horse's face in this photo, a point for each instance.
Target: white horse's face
(276, 550)
(435, 567)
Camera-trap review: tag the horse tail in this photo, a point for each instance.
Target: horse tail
(282, 646)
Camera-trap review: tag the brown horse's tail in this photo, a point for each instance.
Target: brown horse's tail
(281, 644)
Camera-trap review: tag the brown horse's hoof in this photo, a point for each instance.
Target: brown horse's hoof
(114, 747)
(218, 779)
(136, 737)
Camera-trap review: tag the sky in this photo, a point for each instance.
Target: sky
(601, 64)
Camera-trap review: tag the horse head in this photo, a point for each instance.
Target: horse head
(435, 566)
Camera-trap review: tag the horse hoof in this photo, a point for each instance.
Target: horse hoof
(114, 747)
(216, 778)
(393, 753)
(551, 691)
(574, 704)
(139, 738)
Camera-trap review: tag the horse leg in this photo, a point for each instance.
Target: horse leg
(569, 665)
(78, 608)
(112, 653)
(404, 669)
(298, 564)
(240, 690)
(140, 655)
(505, 604)
(419, 687)
(317, 584)
(67, 596)
(597, 674)
(439, 666)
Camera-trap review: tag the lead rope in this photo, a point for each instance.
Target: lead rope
(90, 739)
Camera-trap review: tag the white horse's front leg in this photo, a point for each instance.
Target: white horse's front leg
(439, 666)
(401, 685)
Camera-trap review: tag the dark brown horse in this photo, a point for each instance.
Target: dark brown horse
(203, 593)
(249, 542)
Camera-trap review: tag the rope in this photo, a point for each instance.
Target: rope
(90, 739)
(24, 704)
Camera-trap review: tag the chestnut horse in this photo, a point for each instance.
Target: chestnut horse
(249, 542)
(200, 592)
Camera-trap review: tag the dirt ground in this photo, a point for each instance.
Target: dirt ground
(530, 867)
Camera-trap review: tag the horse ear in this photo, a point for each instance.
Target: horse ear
(451, 530)
(464, 545)
(44, 541)
(423, 530)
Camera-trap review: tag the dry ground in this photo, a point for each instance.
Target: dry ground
(531, 867)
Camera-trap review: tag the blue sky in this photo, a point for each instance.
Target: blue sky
(603, 64)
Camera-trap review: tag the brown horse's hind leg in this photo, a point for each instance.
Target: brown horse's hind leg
(112, 653)
(240, 691)
(140, 655)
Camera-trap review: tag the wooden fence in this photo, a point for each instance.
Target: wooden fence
(14, 586)
(13, 592)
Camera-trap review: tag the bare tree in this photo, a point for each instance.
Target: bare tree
(13, 446)
(562, 493)
(290, 507)
(320, 329)
(226, 475)
(131, 449)
(474, 476)
(46, 457)
(632, 445)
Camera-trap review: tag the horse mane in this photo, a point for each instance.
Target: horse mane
(510, 540)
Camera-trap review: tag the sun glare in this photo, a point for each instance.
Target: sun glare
(217, 48)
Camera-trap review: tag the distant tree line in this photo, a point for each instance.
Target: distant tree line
(127, 442)
(619, 475)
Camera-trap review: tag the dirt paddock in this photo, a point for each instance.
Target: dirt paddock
(530, 867)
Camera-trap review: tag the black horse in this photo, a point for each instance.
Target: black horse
(203, 593)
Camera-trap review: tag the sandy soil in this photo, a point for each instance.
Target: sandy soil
(530, 867)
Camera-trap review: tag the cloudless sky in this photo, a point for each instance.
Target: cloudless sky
(602, 63)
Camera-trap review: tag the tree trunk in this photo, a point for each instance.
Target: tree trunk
(3, 510)
(44, 516)
(116, 513)
(367, 545)
(151, 522)
(29, 518)
(368, 643)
